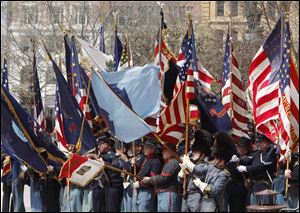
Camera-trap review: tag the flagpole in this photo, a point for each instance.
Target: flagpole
(128, 49)
(78, 145)
(187, 118)
(230, 69)
(288, 157)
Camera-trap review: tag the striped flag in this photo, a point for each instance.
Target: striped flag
(294, 84)
(233, 95)
(204, 77)
(59, 127)
(78, 89)
(188, 64)
(38, 104)
(175, 112)
(166, 54)
(283, 76)
(263, 91)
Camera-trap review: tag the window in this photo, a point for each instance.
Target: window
(234, 5)
(220, 8)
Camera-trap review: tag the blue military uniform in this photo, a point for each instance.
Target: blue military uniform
(217, 179)
(129, 197)
(167, 187)
(293, 190)
(114, 186)
(261, 166)
(191, 202)
(151, 166)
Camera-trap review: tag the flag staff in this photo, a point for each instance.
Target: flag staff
(187, 116)
(230, 68)
(160, 46)
(288, 151)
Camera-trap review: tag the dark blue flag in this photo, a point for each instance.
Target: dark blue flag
(68, 52)
(39, 115)
(15, 143)
(118, 50)
(39, 139)
(214, 117)
(102, 43)
(72, 115)
(5, 76)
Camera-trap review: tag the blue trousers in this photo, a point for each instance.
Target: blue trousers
(35, 196)
(76, 196)
(17, 191)
(87, 200)
(145, 201)
(168, 202)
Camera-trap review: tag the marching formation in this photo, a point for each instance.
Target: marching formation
(155, 138)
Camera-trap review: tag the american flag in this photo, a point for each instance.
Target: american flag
(166, 54)
(233, 95)
(5, 76)
(59, 127)
(124, 57)
(263, 91)
(286, 100)
(186, 72)
(204, 76)
(187, 60)
(294, 84)
(38, 104)
(175, 112)
(80, 91)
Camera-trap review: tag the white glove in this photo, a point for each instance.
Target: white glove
(24, 168)
(146, 180)
(242, 168)
(181, 173)
(136, 185)
(50, 168)
(201, 185)
(186, 162)
(234, 159)
(125, 185)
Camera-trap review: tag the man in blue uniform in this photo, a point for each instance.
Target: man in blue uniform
(151, 166)
(129, 196)
(261, 167)
(114, 185)
(166, 184)
(216, 174)
(200, 147)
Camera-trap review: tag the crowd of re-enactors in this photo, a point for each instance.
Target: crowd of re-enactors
(220, 175)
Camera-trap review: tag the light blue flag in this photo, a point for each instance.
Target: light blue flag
(124, 123)
(138, 87)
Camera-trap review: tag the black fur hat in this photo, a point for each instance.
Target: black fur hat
(224, 146)
(203, 141)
